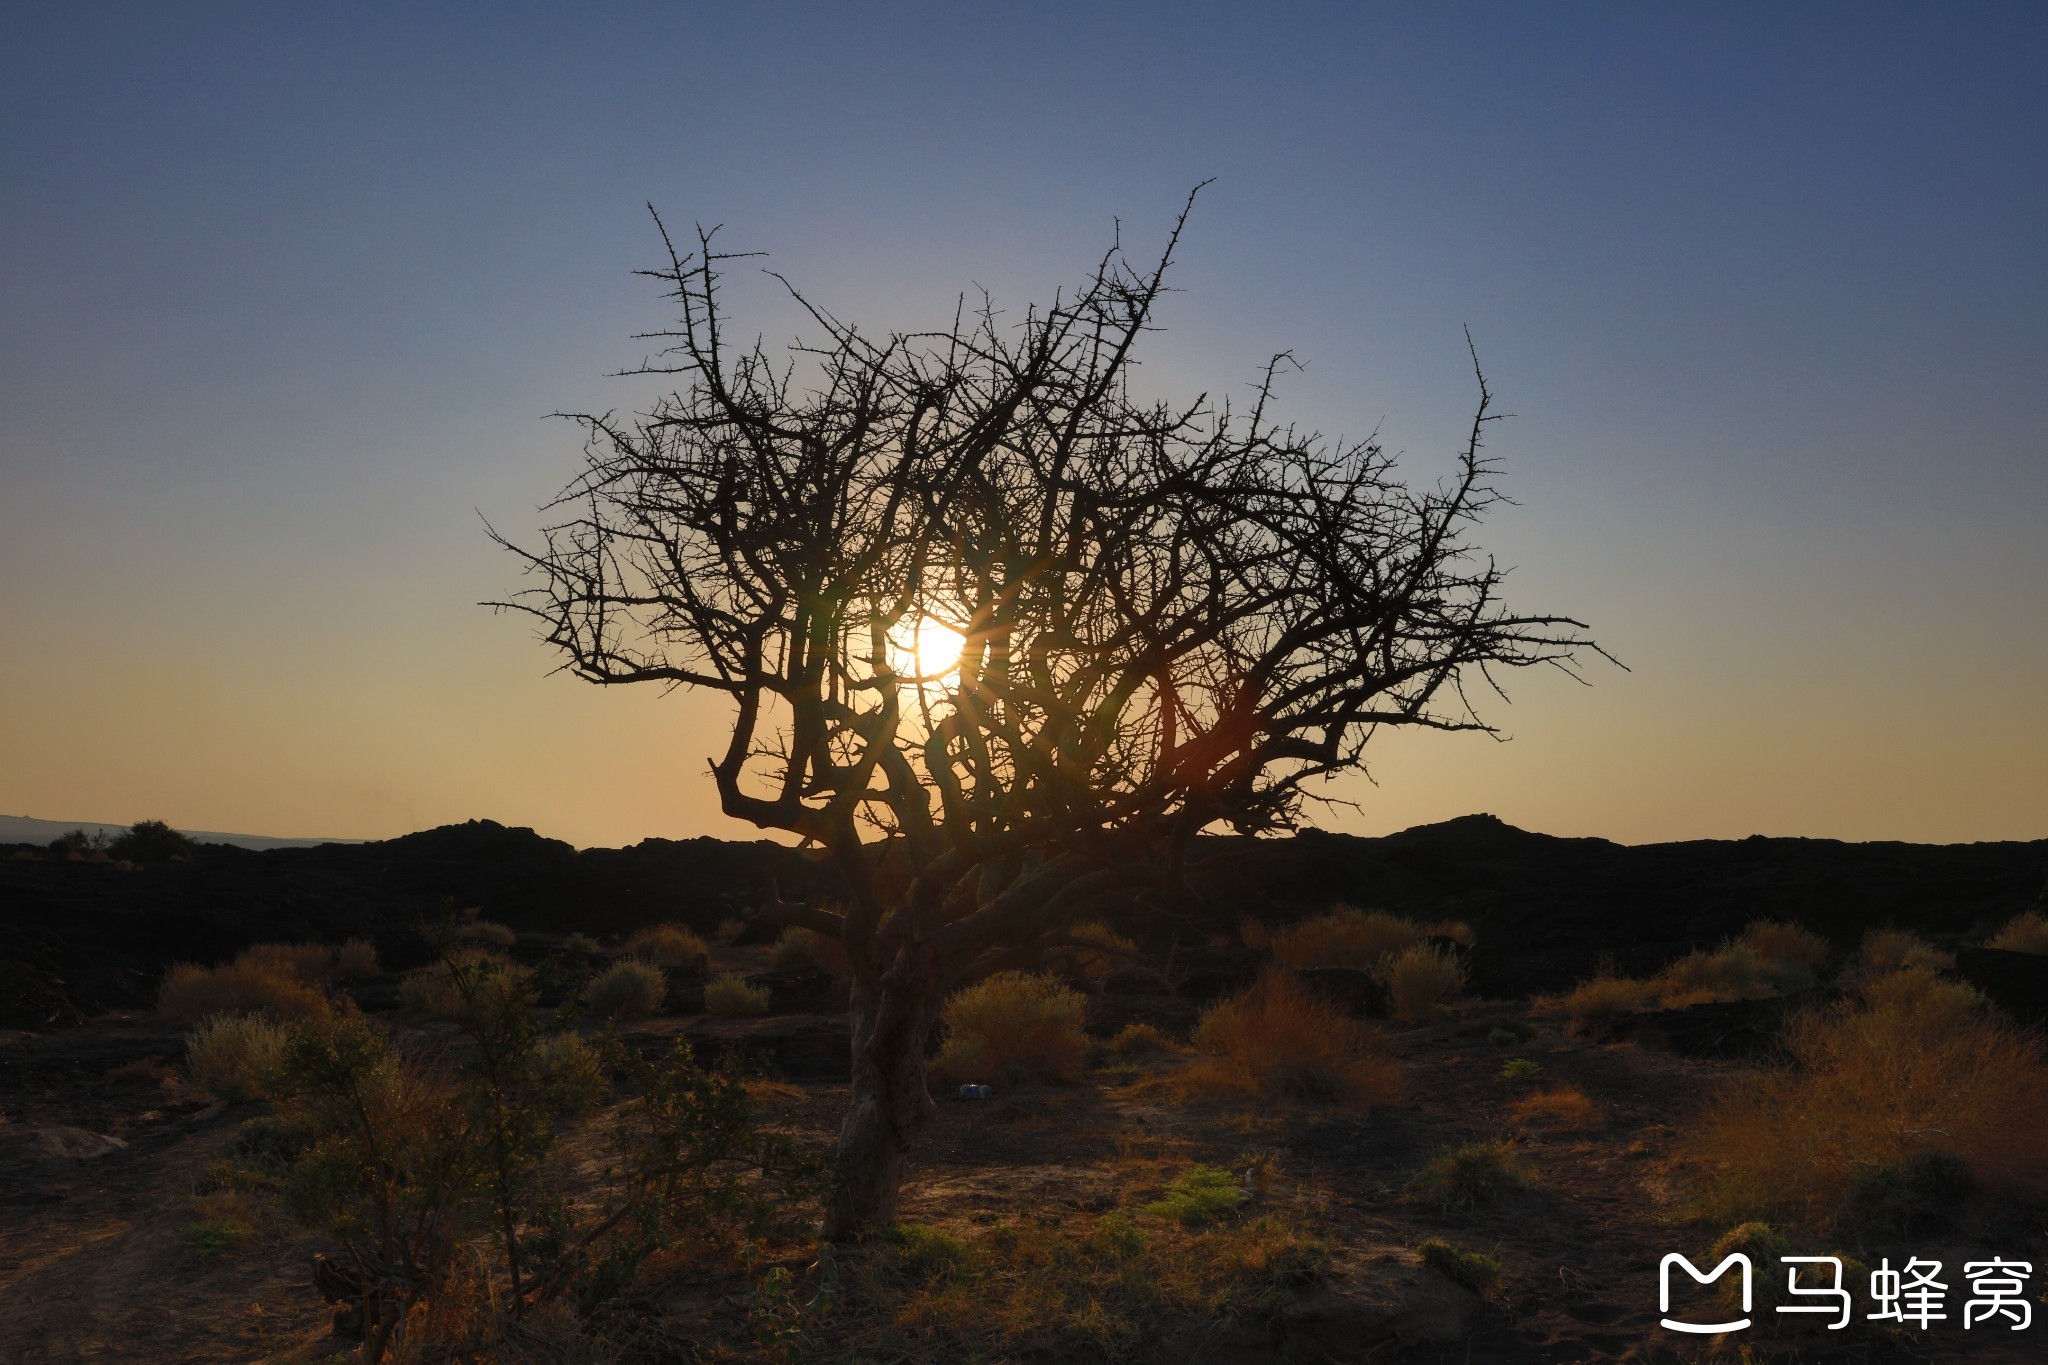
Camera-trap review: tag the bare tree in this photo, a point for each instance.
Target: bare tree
(1170, 617)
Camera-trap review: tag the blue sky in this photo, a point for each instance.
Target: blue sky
(285, 295)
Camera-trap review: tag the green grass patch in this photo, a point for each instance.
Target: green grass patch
(1201, 1195)
(1475, 1270)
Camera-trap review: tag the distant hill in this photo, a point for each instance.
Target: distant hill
(22, 829)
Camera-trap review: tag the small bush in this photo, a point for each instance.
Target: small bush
(311, 963)
(1476, 1271)
(801, 947)
(1591, 1005)
(1786, 948)
(437, 990)
(487, 932)
(1254, 934)
(669, 945)
(1520, 1069)
(2027, 933)
(232, 1056)
(1013, 1026)
(1915, 1069)
(1421, 980)
(153, 841)
(1199, 1196)
(729, 929)
(1345, 937)
(1566, 1109)
(729, 996)
(583, 944)
(1281, 1040)
(190, 994)
(628, 988)
(357, 957)
(1118, 1238)
(1734, 972)
(1475, 1174)
(927, 1253)
(1137, 1040)
(1885, 951)
(1094, 963)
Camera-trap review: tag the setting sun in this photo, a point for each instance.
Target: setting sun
(932, 650)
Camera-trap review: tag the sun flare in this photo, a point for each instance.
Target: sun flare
(932, 649)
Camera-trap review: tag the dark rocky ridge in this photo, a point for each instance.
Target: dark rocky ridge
(78, 937)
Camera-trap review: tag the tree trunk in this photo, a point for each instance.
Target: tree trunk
(890, 1104)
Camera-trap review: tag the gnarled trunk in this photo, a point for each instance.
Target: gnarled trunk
(890, 1104)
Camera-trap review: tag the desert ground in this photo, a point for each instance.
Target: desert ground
(1500, 1183)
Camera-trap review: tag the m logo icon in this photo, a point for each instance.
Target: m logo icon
(1664, 1291)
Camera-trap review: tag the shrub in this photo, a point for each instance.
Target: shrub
(1140, 1039)
(1094, 963)
(1013, 1026)
(152, 841)
(584, 944)
(1455, 930)
(1520, 1069)
(1591, 1005)
(487, 931)
(467, 980)
(232, 1056)
(729, 929)
(1201, 1195)
(1885, 951)
(2027, 933)
(801, 947)
(1345, 937)
(729, 995)
(1566, 1109)
(308, 962)
(1476, 1271)
(190, 994)
(1475, 1174)
(1254, 934)
(669, 945)
(1792, 951)
(1733, 972)
(1282, 1040)
(1421, 980)
(628, 987)
(931, 1253)
(1876, 1083)
(357, 957)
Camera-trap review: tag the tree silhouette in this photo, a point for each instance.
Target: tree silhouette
(1173, 616)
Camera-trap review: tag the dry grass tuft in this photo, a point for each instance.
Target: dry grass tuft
(1281, 1040)
(1885, 951)
(1917, 1067)
(1254, 934)
(1345, 937)
(1455, 930)
(232, 1056)
(435, 990)
(1592, 1004)
(1469, 1176)
(1421, 980)
(311, 963)
(729, 996)
(190, 994)
(801, 947)
(488, 932)
(1013, 1026)
(669, 945)
(1092, 963)
(2027, 933)
(582, 944)
(1566, 1109)
(1788, 949)
(626, 989)
(357, 957)
(1141, 1040)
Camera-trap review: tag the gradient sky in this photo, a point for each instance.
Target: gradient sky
(286, 291)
